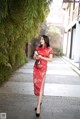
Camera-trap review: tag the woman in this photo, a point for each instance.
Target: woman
(42, 54)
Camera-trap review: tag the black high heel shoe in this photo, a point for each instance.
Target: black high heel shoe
(36, 107)
(37, 114)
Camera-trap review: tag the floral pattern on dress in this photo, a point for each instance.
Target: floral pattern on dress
(40, 72)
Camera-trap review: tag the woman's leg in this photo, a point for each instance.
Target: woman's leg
(40, 97)
(39, 101)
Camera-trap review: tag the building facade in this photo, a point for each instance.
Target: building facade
(71, 47)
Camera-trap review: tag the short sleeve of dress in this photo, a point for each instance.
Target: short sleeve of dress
(50, 51)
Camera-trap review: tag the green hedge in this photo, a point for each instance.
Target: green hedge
(5, 72)
(20, 20)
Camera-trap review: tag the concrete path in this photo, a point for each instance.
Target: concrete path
(62, 93)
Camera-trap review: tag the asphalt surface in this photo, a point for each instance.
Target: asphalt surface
(61, 95)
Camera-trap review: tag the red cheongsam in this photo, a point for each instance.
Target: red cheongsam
(40, 68)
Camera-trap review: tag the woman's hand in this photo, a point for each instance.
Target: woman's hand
(39, 56)
(46, 58)
(36, 57)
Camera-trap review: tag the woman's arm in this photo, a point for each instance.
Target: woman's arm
(50, 58)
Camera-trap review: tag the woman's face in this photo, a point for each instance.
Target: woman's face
(42, 42)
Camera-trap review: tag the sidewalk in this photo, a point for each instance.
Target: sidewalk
(72, 64)
(62, 93)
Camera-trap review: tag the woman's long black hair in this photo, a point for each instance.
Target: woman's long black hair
(46, 40)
